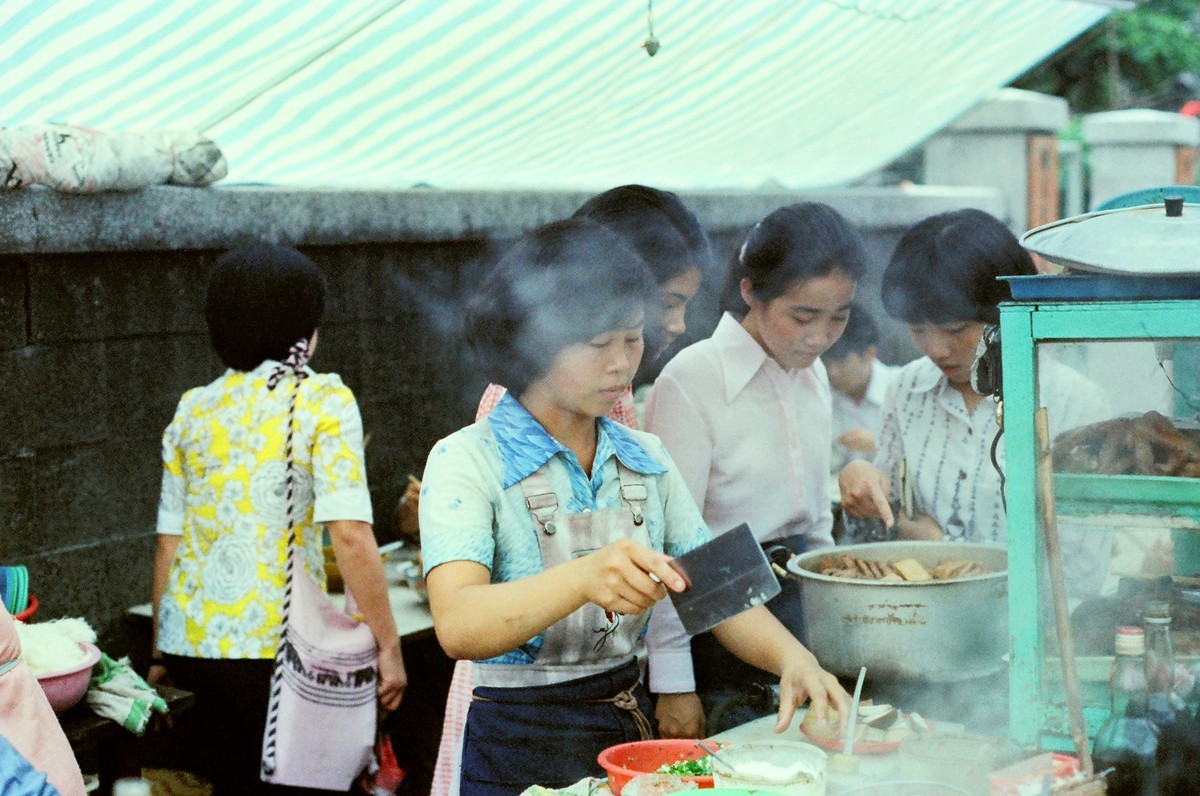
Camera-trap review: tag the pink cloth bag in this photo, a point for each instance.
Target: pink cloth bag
(321, 722)
(321, 716)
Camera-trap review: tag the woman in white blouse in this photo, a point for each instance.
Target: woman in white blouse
(746, 416)
(942, 281)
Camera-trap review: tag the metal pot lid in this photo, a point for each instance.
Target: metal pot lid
(1143, 241)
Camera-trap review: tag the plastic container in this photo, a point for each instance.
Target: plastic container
(963, 760)
(787, 768)
(65, 688)
(30, 609)
(625, 761)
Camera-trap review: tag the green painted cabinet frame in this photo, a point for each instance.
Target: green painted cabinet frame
(1037, 712)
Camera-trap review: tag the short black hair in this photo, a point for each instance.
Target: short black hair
(860, 334)
(656, 225)
(561, 284)
(796, 243)
(945, 269)
(261, 300)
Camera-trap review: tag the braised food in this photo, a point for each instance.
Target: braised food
(1146, 445)
(905, 570)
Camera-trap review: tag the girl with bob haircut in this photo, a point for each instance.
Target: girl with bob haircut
(547, 528)
(943, 282)
(659, 228)
(746, 415)
(218, 580)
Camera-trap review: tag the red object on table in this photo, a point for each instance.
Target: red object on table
(625, 761)
(30, 610)
(1007, 781)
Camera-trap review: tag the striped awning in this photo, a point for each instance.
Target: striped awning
(527, 93)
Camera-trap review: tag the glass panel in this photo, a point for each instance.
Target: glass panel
(1126, 453)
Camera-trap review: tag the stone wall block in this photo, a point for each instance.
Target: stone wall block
(12, 302)
(147, 379)
(116, 294)
(88, 493)
(18, 505)
(58, 396)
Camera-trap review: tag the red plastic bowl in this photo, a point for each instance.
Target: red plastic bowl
(29, 611)
(65, 688)
(625, 761)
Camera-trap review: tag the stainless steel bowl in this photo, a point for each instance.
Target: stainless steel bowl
(932, 631)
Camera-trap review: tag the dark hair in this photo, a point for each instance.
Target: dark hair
(261, 299)
(796, 243)
(860, 334)
(944, 269)
(656, 225)
(564, 283)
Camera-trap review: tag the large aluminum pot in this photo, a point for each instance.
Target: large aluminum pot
(933, 631)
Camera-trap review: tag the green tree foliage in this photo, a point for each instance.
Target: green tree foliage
(1132, 59)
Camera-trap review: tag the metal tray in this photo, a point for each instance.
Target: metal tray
(1101, 287)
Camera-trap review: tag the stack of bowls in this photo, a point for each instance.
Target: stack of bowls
(14, 590)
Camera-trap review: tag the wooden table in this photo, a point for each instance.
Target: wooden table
(117, 747)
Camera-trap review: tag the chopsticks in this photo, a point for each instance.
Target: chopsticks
(845, 760)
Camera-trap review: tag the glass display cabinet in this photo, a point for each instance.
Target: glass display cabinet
(1115, 361)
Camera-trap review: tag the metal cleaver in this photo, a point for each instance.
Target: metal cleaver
(724, 577)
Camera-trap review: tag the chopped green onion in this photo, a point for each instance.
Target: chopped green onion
(700, 767)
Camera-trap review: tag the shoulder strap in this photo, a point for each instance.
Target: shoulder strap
(297, 356)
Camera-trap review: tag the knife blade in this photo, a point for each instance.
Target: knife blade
(725, 576)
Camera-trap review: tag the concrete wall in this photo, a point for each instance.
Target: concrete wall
(101, 330)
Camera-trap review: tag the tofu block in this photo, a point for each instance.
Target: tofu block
(911, 570)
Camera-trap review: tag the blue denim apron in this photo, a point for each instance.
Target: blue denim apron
(731, 691)
(544, 723)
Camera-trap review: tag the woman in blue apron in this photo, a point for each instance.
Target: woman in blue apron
(547, 529)
(746, 416)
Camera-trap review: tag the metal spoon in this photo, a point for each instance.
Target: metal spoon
(713, 752)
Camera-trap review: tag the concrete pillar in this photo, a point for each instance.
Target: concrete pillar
(1140, 148)
(1008, 142)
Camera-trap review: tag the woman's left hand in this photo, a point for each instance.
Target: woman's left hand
(921, 527)
(803, 680)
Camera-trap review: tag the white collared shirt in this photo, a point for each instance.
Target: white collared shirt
(752, 442)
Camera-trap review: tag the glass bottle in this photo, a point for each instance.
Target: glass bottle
(1128, 740)
(1178, 754)
(1165, 704)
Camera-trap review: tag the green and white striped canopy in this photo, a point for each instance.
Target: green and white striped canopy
(527, 93)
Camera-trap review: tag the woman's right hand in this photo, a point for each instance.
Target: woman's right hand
(628, 578)
(679, 715)
(393, 678)
(158, 674)
(865, 491)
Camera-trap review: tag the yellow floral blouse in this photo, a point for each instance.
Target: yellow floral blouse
(223, 491)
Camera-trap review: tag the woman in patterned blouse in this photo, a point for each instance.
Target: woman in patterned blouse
(942, 282)
(218, 580)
